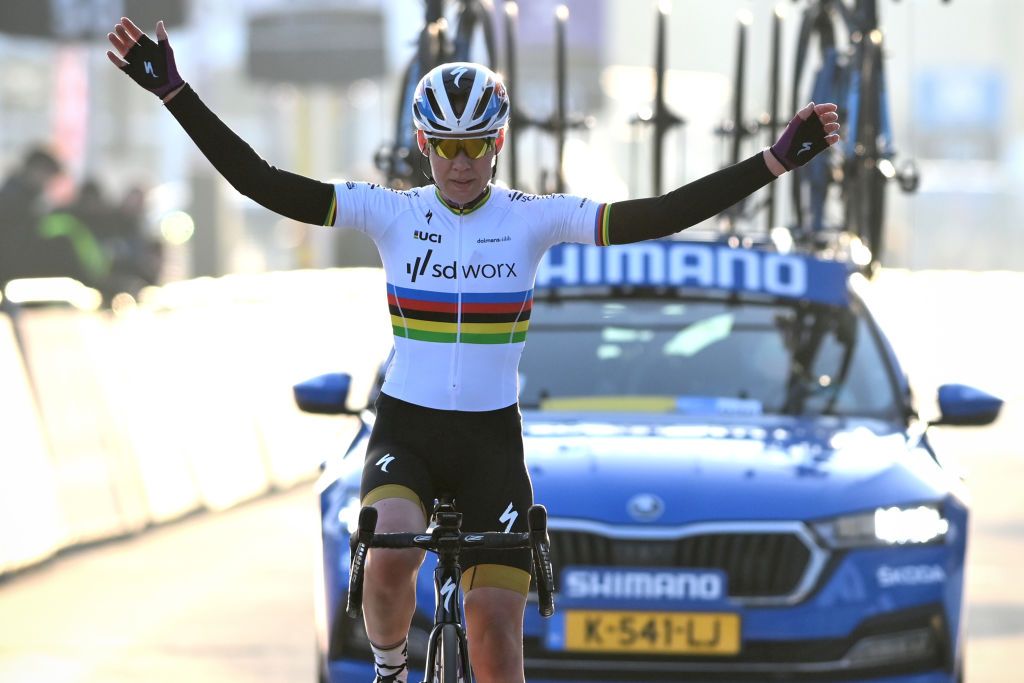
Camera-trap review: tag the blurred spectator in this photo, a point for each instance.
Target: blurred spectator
(72, 239)
(99, 242)
(132, 213)
(137, 257)
(22, 253)
(148, 251)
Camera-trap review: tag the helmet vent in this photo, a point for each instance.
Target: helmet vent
(434, 106)
(485, 99)
(458, 101)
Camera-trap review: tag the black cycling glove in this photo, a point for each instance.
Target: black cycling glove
(800, 142)
(151, 65)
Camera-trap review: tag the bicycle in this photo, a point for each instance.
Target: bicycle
(447, 649)
(855, 78)
(400, 160)
(560, 122)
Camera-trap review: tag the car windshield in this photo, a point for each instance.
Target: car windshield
(705, 356)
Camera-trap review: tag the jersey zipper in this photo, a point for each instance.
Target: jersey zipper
(457, 351)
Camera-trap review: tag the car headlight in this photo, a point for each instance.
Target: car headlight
(885, 526)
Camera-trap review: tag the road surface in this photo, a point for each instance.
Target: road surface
(228, 596)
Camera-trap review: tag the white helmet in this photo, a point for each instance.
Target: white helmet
(460, 100)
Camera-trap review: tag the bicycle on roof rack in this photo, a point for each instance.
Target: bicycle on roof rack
(437, 44)
(447, 649)
(851, 72)
(560, 122)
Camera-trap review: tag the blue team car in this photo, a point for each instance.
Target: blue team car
(739, 487)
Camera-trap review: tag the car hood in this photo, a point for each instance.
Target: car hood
(611, 467)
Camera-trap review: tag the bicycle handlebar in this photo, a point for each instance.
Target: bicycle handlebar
(537, 518)
(444, 539)
(494, 540)
(360, 547)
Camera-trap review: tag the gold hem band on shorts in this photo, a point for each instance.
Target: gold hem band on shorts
(393, 491)
(496, 576)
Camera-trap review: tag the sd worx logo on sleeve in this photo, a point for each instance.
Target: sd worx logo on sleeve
(421, 266)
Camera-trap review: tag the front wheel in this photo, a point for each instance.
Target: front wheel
(448, 658)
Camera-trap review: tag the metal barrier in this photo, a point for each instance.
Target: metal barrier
(97, 482)
(111, 423)
(31, 523)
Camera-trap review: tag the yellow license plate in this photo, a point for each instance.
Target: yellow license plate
(690, 633)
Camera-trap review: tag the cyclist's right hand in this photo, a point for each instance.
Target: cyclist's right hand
(149, 64)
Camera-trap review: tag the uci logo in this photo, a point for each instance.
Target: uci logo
(427, 236)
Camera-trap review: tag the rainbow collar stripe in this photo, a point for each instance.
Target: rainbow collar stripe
(480, 318)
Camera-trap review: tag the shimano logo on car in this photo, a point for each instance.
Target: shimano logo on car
(690, 264)
(643, 584)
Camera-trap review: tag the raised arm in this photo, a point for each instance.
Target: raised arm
(812, 130)
(152, 66)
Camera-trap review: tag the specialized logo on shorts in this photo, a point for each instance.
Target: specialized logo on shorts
(385, 461)
(509, 516)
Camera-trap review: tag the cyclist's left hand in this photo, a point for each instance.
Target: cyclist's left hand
(813, 129)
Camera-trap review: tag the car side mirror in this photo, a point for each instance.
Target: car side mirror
(961, 405)
(325, 395)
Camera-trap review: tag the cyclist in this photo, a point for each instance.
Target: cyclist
(460, 257)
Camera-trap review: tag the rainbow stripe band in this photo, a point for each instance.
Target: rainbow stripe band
(470, 318)
(332, 212)
(601, 237)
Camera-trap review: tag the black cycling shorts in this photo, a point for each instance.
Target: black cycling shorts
(422, 453)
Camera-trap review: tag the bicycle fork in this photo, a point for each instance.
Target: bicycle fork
(447, 623)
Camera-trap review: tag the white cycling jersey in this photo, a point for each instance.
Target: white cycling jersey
(460, 283)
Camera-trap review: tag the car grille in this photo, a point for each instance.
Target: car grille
(764, 564)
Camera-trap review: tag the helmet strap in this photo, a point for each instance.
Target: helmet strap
(497, 150)
(423, 161)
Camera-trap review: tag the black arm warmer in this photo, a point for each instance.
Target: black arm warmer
(288, 194)
(635, 220)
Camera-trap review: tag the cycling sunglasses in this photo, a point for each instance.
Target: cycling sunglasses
(448, 148)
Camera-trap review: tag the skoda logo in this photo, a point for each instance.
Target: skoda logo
(645, 507)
